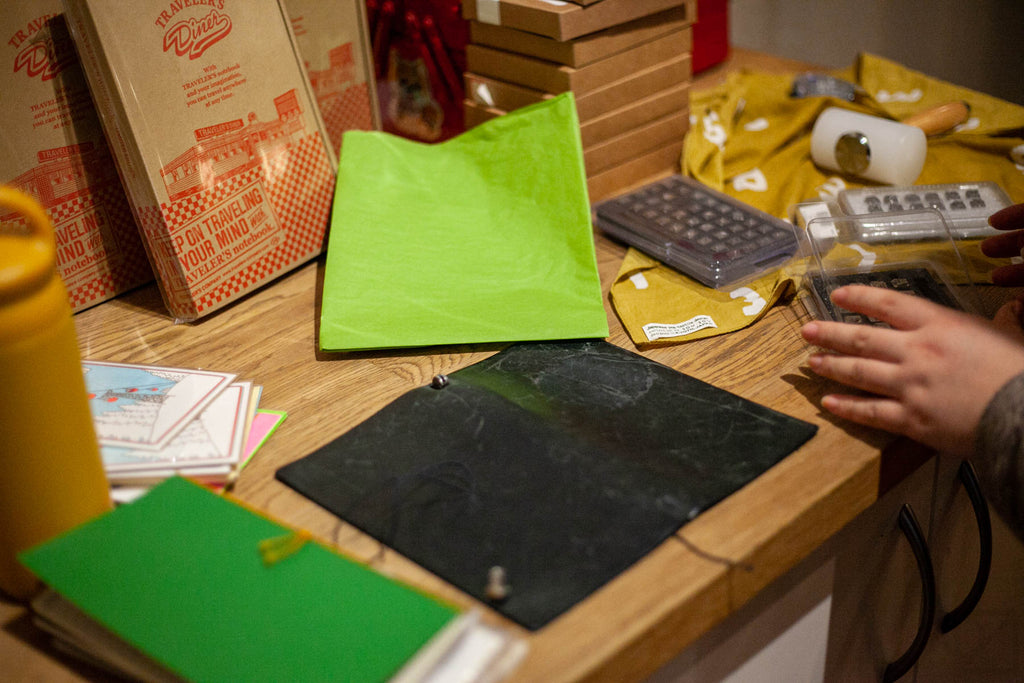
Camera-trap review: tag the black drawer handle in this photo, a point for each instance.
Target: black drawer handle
(969, 479)
(912, 530)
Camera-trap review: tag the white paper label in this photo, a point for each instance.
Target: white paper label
(483, 94)
(640, 282)
(488, 11)
(655, 331)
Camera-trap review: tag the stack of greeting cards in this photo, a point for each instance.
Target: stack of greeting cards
(153, 422)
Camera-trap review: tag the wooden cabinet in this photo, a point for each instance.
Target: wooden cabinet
(877, 595)
(877, 592)
(859, 603)
(989, 644)
(780, 635)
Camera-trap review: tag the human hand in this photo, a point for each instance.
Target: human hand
(1007, 245)
(930, 377)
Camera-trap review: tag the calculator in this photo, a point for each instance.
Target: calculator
(705, 234)
(965, 208)
(919, 281)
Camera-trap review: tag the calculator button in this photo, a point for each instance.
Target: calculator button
(965, 208)
(710, 236)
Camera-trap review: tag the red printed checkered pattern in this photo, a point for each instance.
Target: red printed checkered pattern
(98, 260)
(168, 271)
(184, 211)
(299, 186)
(64, 211)
(349, 110)
(126, 265)
(301, 198)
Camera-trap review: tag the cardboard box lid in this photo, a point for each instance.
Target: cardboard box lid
(635, 142)
(585, 49)
(499, 94)
(565, 21)
(638, 171)
(608, 125)
(556, 78)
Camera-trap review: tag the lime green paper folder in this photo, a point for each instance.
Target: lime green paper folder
(179, 575)
(483, 238)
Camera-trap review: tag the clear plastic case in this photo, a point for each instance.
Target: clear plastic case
(835, 253)
(709, 236)
(965, 207)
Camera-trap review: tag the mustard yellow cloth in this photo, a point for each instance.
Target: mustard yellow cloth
(750, 139)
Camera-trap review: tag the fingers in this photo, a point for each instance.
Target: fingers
(867, 374)
(1010, 319)
(1010, 218)
(1008, 276)
(902, 311)
(1003, 246)
(854, 340)
(1010, 244)
(881, 413)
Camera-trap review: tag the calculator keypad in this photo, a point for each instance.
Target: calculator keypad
(705, 234)
(964, 207)
(917, 281)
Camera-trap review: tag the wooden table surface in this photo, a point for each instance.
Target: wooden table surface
(624, 631)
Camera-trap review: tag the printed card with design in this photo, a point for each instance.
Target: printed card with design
(209, 445)
(143, 406)
(53, 148)
(218, 137)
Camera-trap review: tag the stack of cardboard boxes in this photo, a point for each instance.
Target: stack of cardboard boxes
(628, 64)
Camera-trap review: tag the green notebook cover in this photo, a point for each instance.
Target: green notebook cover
(485, 237)
(179, 574)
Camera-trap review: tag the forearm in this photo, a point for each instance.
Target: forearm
(1000, 453)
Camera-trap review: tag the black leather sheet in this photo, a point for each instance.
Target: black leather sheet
(562, 463)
